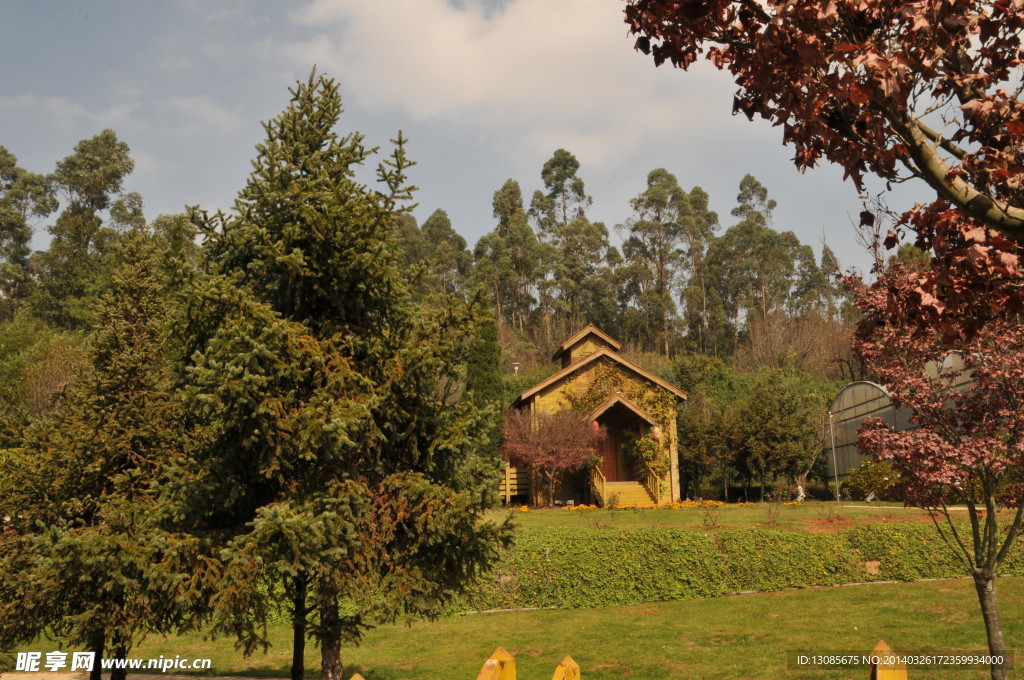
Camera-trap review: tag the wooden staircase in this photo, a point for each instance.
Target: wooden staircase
(628, 493)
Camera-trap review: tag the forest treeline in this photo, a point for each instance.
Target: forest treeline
(728, 308)
(682, 281)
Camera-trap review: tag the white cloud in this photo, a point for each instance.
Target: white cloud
(533, 72)
(67, 114)
(199, 115)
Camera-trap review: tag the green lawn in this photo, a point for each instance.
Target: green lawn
(733, 637)
(809, 516)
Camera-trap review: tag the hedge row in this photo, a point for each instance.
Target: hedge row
(572, 568)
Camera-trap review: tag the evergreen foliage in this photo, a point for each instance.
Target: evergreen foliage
(82, 554)
(23, 195)
(339, 458)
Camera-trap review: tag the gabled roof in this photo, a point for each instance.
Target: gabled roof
(603, 352)
(589, 329)
(619, 399)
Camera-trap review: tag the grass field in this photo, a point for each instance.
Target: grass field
(809, 516)
(745, 636)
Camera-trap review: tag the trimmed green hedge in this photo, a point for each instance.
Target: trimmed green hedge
(568, 568)
(758, 559)
(572, 568)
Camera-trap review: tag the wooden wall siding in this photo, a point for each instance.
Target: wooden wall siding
(584, 348)
(514, 482)
(673, 459)
(553, 398)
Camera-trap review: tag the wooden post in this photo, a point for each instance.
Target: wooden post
(886, 671)
(501, 666)
(567, 670)
(508, 485)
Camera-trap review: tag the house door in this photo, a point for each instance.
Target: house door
(610, 457)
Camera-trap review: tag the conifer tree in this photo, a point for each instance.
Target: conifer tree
(82, 555)
(340, 468)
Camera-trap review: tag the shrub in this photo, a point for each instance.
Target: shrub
(596, 567)
(871, 477)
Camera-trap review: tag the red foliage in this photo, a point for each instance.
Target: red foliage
(853, 80)
(967, 437)
(970, 426)
(551, 443)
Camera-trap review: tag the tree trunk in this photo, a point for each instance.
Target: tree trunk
(96, 642)
(330, 642)
(299, 628)
(986, 587)
(664, 331)
(119, 651)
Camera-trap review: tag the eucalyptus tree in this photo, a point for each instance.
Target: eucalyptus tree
(23, 196)
(447, 260)
(667, 239)
(528, 257)
(758, 270)
(565, 197)
(82, 254)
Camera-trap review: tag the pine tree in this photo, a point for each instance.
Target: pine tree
(338, 459)
(83, 556)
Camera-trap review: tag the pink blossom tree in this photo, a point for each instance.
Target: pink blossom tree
(549, 443)
(969, 430)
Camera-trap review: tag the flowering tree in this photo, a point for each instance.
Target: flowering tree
(550, 443)
(969, 428)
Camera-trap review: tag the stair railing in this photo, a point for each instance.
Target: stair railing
(652, 483)
(597, 486)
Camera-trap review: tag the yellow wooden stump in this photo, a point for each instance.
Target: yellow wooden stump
(501, 666)
(886, 671)
(567, 670)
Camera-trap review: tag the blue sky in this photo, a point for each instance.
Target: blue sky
(485, 91)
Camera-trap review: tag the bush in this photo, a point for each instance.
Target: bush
(571, 568)
(871, 477)
(818, 490)
(574, 568)
(758, 559)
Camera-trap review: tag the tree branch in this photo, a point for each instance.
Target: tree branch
(996, 214)
(958, 152)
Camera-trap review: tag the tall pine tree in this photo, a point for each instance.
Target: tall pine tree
(339, 458)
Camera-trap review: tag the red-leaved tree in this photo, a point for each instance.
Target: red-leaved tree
(969, 433)
(549, 443)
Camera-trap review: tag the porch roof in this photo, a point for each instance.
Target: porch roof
(619, 399)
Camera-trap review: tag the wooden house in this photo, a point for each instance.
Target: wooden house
(639, 462)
